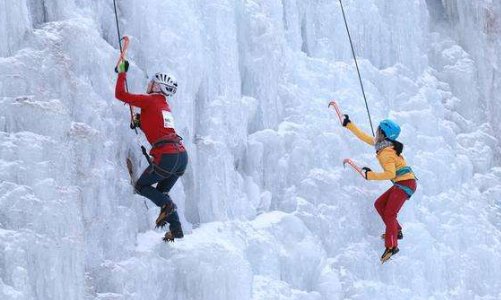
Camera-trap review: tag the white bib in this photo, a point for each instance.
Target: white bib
(168, 119)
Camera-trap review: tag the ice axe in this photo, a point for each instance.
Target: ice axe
(123, 49)
(124, 45)
(338, 111)
(354, 166)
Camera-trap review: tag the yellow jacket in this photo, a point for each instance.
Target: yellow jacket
(387, 157)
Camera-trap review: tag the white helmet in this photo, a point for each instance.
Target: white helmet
(167, 83)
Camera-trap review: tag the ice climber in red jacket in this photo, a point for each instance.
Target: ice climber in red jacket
(169, 155)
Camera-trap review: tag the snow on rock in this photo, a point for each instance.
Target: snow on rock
(268, 210)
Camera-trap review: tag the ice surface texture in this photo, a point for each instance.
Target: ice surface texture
(279, 217)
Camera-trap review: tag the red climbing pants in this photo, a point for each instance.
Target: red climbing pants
(388, 205)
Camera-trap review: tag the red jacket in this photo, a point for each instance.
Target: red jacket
(156, 118)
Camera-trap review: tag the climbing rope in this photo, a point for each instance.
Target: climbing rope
(356, 64)
(132, 125)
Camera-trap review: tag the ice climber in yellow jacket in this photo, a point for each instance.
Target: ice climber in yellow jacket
(389, 154)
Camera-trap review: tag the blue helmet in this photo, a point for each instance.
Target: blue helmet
(390, 129)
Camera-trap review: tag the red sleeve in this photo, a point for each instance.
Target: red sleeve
(121, 94)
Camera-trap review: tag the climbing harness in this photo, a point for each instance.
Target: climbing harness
(404, 170)
(356, 64)
(175, 140)
(406, 189)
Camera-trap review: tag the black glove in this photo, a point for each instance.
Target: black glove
(122, 67)
(366, 170)
(346, 120)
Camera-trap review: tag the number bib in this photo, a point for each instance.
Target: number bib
(168, 119)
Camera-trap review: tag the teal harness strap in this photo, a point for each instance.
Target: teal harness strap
(404, 170)
(406, 189)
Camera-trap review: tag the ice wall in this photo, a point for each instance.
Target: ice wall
(269, 210)
(476, 26)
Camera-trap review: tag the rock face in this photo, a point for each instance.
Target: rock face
(269, 211)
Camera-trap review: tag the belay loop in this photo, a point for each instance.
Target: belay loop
(356, 65)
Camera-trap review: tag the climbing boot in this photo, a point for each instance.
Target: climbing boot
(173, 234)
(388, 253)
(165, 212)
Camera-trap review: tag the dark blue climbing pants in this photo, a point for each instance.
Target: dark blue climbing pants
(166, 173)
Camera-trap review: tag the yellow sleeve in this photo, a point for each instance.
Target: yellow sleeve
(360, 134)
(388, 163)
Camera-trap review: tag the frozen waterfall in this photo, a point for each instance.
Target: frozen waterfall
(268, 209)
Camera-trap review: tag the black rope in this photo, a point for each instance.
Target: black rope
(118, 26)
(143, 149)
(132, 125)
(356, 64)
